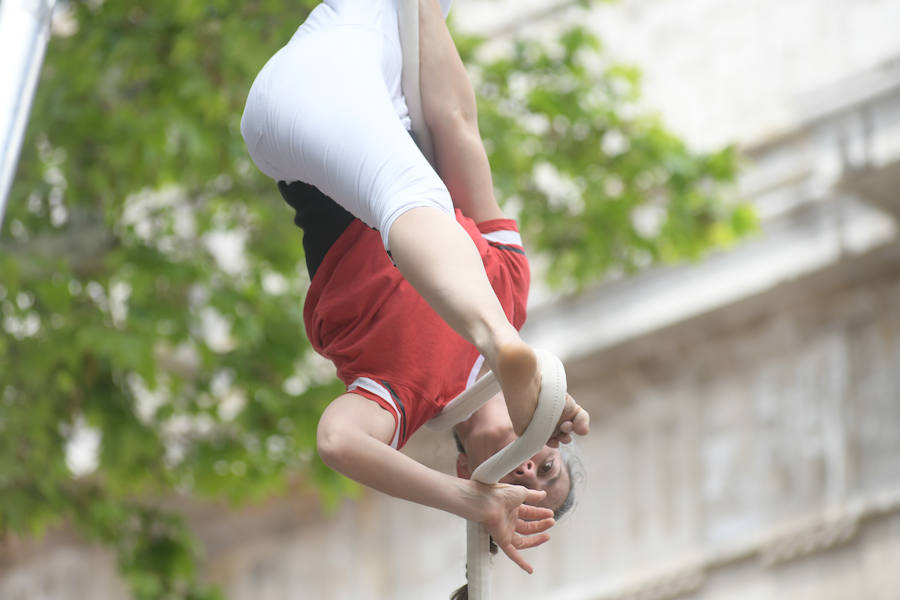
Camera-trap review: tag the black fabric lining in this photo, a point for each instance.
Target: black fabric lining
(322, 220)
(507, 248)
(402, 410)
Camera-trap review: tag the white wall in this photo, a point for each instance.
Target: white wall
(722, 71)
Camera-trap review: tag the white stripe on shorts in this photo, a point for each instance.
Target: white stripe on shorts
(370, 385)
(503, 237)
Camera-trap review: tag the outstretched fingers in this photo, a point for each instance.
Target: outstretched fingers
(510, 550)
(517, 542)
(530, 512)
(533, 520)
(521, 524)
(532, 497)
(532, 527)
(522, 543)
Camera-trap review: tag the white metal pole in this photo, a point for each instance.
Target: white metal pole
(24, 31)
(551, 401)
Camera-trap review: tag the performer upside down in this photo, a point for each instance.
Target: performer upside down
(327, 119)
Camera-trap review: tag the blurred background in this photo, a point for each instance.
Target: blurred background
(709, 190)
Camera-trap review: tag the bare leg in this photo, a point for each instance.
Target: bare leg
(434, 253)
(438, 258)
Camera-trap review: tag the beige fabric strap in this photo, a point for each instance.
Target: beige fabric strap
(551, 402)
(461, 408)
(408, 16)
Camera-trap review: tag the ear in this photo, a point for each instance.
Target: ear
(462, 466)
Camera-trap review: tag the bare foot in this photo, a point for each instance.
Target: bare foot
(520, 379)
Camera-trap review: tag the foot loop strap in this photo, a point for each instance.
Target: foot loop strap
(461, 408)
(551, 402)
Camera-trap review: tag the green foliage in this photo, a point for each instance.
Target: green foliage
(118, 316)
(599, 185)
(157, 555)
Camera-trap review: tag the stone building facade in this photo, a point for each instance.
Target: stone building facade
(746, 408)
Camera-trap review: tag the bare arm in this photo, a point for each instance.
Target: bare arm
(448, 104)
(352, 439)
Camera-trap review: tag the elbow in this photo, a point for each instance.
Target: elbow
(332, 443)
(451, 118)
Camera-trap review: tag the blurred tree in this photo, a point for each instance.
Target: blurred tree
(129, 323)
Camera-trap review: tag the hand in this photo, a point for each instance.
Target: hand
(513, 524)
(574, 420)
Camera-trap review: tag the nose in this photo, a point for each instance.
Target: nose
(525, 473)
(525, 467)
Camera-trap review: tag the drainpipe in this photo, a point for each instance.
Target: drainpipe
(24, 31)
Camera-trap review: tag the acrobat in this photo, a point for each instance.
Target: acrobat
(418, 280)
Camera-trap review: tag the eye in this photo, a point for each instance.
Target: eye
(547, 466)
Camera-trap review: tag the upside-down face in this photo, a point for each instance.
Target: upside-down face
(489, 433)
(543, 471)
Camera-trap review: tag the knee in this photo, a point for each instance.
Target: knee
(413, 223)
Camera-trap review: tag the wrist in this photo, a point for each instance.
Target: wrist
(471, 500)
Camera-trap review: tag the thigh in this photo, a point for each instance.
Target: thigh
(330, 122)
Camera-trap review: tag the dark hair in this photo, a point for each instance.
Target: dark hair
(460, 593)
(574, 466)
